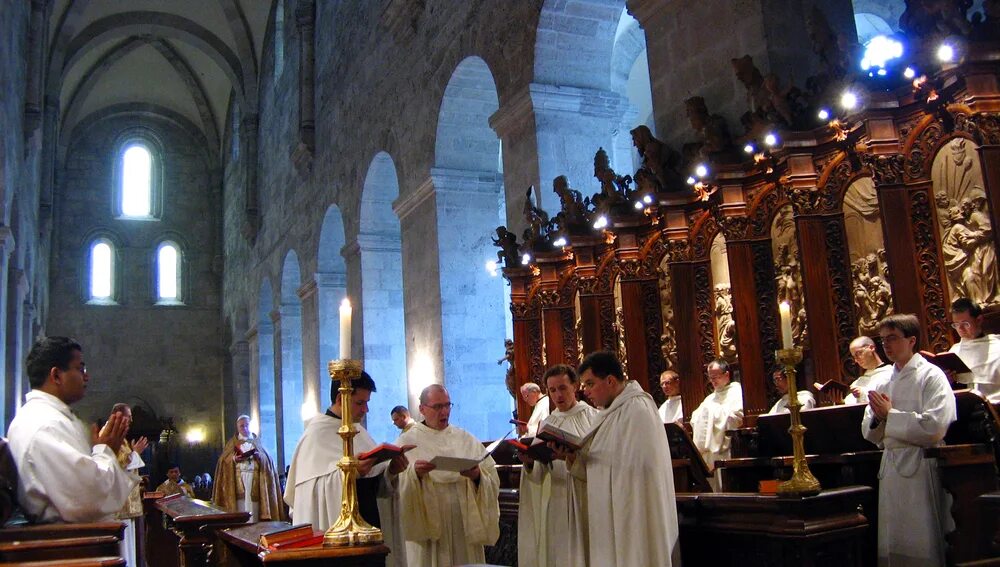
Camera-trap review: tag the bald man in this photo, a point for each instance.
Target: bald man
(876, 371)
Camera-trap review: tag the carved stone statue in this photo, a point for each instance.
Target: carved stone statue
(872, 295)
(536, 219)
(620, 334)
(573, 207)
(614, 187)
(668, 340)
(508, 357)
(659, 160)
(508, 255)
(725, 322)
(711, 129)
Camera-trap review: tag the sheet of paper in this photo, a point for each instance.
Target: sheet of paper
(454, 464)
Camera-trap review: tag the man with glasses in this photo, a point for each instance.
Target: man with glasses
(721, 411)
(876, 371)
(64, 475)
(979, 351)
(905, 415)
(446, 517)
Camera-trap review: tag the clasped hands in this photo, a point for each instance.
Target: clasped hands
(113, 433)
(880, 404)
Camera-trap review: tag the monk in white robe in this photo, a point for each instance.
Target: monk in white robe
(314, 487)
(672, 409)
(539, 404)
(721, 411)
(631, 507)
(446, 517)
(552, 512)
(910, 412)
(978, 350)
(65, 472)
(805, 397)
(875, 370)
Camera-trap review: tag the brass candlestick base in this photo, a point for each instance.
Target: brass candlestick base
(350, 528)
(802, 482)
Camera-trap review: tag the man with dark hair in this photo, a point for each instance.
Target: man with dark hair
(174, 483)
(552, 516)
(780, 382)
(622, 462)
(63, 475)
(447, 517)
(400, 416)
(979, 351)
(314, 485)
(905, 415)
(719, 412)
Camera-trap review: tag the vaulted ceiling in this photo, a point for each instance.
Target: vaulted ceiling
(182, 59)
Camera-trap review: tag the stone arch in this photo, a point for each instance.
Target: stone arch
(292, 382)
(584, 28)
(630, 79)
(469, 195)
(382, 329)
(331, 288)
(264, 396)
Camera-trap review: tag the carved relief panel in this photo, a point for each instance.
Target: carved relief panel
(725, 325)
(869, 270)
(788, 271)
(668, 340)
(619, 327)
(964, 223)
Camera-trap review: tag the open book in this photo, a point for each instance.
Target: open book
(384, 452)
(549, 432)
(534, 448)
(245, 451)
(947, 361)
(459, 464)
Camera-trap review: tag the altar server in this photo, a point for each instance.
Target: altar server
(978, 350)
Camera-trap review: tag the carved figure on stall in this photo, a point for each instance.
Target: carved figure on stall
(508, 255)
(614, 187)
(982, 283)
(536, 219)
(573, 208)
(619, 326)
(711, 129)
(724, 319)
(872, 295)
(753, 120)
(658, 159)
(837, 54)
(508, 356)
(782, 103)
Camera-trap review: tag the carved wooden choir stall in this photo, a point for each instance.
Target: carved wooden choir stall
(850, 199)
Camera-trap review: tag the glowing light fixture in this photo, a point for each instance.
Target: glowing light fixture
(770, 140)
(749, 148)
(491, 267)
(700, 170)
(638, 205)
(195, 435)
(849, 100)
(945, 53)
(823, 114)
(909, 73)
(880, 51)
(601, 222)
(647, 199)
(691, 180)
(525, 259)
(561, 241)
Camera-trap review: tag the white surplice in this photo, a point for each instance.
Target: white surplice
(314, 487)
(553, 504)
(631, 507)
(61, 477)
(538, 415)
(868, 381)
(982, 356)
(447, 518)
(718, 413)
(913, 514)
(672, 410)
(781, 406)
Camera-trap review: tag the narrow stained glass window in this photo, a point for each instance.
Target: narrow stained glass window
(101, 271)
(167, 273)
(137, 168)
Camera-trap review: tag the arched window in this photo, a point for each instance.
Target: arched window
(102, 272)
(137, 181)
(168, 273)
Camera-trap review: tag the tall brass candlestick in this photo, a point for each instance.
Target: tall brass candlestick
(350, 528)
(802, 481)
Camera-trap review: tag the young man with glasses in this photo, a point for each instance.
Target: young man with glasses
(905, 415)
(446, 517)
(978, 350)
(875, 370)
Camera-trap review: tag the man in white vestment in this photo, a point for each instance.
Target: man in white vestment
(721, 411)
(532, 394)
(781, 385)
(979, 351)
(314, 486)
(66, 472)
(671, 410)
(401, 418)
(904, 416)
(876, 371)
(447, 517)
(552, 512)
(631, 507)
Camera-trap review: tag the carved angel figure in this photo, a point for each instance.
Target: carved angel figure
(725, 322)
(711, 129)
(573, 207)
(508, 357)
(508, 255)
(536, 219)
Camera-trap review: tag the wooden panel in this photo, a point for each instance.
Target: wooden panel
(749, 342)
(688, 328)
(635, 334)
(900, 251)
(817, 282)
(590, 321)
(554, 339)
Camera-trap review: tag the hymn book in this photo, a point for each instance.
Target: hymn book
(245, 450)
(384, 452)
(947, 361)
(459, 464)
(287, 536)
(549, 432)
(534, 448)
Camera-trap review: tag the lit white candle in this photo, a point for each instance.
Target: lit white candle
(345, 329)
(786, 324)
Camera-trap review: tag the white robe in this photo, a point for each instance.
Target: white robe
(61, 477)
(538, 415)
(982, 356)
(631, 507)
(913, 512)
(718, 413)
(781, 406)
(314, 487)
(446, 518)
(672, 410)
(868, 381)
(553, 505)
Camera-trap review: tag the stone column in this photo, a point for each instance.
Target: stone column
(251, 206)
(313, 369)
(242, 374)
(27, 338)
(514, 123)
(6, 248)
(331, 288)
(305, 17)
(15, 338)
(253, 406)
(290, 331)
(279, 407)
(37, 40)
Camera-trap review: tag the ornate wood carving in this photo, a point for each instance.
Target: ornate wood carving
(704, 307)
(885, 169)
(918, 162)
(704, 230)
(609, 334)
(839, 266)
(763, 274)
(929, 268)
(655, 362)
(826, 199)
(571, 352)
(984, 128)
